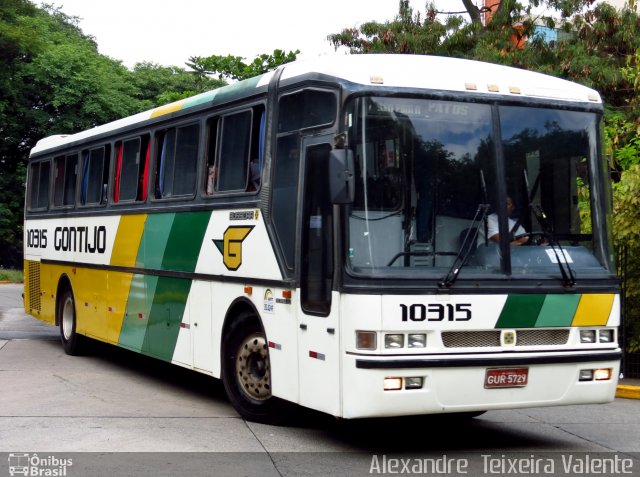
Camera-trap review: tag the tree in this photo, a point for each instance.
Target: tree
(157, 85)
(234, 67)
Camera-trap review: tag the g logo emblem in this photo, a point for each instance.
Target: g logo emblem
(231, 245)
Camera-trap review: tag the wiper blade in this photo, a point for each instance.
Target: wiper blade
(465, 247)
(568, 275)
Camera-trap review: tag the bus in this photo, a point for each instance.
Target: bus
(335, 234)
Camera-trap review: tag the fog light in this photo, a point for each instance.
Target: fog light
(605, 336)
(393, 341)
(392, 384)
(586, 375)
(366, 340)
(587, 336)
(413, 383)
(417, 341)
(602, 374)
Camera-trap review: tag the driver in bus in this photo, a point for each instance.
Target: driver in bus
(493, 232)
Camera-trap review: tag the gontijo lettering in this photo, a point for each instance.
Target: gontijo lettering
(80, 239)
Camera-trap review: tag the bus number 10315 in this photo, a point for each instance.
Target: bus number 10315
(436, 312)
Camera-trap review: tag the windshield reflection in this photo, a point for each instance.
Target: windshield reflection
(425, 167)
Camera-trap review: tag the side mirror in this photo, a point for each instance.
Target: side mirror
(341, 176)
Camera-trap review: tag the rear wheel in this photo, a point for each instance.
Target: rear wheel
(246, 371)
(72, 342)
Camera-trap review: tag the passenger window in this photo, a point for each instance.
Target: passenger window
(306, 109)
(65, 176)
(132, 170)
(176, 161)
(95, 176)
(39, 185)
(233, 156)
(235, 151)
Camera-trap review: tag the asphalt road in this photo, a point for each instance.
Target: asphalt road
(113, 412)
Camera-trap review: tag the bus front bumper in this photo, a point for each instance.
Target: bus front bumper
(467, 383)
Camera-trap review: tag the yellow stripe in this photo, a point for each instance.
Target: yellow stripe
(167, 108)
(125, 247)
(593, 310)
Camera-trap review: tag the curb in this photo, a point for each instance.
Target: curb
(628, 392)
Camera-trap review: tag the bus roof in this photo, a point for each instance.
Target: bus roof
(405, 71)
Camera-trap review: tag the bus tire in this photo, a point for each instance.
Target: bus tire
(246, 371)
(72, 342)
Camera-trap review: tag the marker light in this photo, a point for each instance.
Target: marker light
(394, 341)
(392, 384)
(366, 340)
(417, 341)
(587, 336)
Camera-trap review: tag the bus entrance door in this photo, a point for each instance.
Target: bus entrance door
(318, 319)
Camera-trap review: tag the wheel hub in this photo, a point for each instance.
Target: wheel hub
(67, 319)
(252, 367)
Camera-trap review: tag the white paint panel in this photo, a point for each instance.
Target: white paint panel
(258, 259)
(73, 239)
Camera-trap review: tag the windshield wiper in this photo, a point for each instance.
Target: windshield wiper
(568, 275)
(465, 250)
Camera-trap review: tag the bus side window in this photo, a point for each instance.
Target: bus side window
(95, 176)
(65, 178)
(132, 169)
(210, 171)
(176, 161)
(233, 152)
(39, 176)
(257, 150)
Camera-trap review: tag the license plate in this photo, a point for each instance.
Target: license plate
(506, 378)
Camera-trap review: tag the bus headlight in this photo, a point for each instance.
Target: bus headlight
(394, 341)
(417, 340)
(605, 336)
(587, 336)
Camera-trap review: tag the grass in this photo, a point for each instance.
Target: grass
(12, 276)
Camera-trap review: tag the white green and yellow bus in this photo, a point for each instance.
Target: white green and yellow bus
(372, 235)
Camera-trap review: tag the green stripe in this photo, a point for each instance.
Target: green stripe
(134, 327)
(165, 318)
(185, 241)
(154, 240)
(520, 311)
(558, 310)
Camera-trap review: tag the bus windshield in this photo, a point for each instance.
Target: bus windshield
(428, 191)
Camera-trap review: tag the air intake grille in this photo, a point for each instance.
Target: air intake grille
(542, 337)
(490, 338)
(34, 286)
(471, 339)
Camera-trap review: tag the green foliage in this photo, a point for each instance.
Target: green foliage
(627, 235)
(12, 276)
(234, 67)
(156, 85)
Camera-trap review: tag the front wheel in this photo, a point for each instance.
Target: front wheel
(72, 342)
(246, 371)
